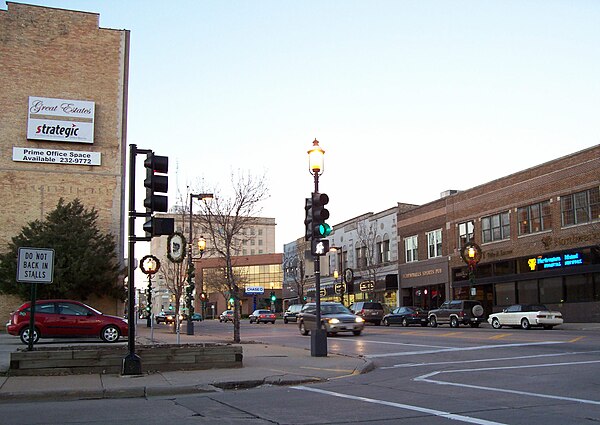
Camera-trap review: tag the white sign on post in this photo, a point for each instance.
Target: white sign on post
(35, 265)
(255, 290)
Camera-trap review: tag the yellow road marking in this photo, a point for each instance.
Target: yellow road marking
(451, 334)
(577, 339)
(329, 370)
(500, 336)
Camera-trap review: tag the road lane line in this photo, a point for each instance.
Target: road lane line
(426, 378)
(500, 336)
(487, 360)
(445, 350)
(391, 343)
(439, 413)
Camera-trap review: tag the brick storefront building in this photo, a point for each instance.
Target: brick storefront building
(63, 107)
(539, 232)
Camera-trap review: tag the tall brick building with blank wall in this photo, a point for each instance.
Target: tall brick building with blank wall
(62, 60)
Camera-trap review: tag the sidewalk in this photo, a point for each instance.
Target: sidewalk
(263, 365)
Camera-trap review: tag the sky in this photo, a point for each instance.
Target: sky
(407, 98)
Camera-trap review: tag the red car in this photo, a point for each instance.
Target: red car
(65, 319)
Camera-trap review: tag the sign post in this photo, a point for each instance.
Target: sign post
(34, 265)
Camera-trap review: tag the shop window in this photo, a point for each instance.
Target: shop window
(579, 288)
(505, 294)
(551, 290)
(504, 267)
(528, 292)
(495, 227)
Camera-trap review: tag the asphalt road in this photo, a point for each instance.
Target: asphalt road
(423, 376)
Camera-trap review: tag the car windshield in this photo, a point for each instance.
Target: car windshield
(334, 309)
(263, 312)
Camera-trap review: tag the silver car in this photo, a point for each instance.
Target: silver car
(334, 318)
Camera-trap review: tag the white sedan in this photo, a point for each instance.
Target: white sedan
(526, 316)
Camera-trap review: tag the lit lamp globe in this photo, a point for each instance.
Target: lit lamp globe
(316, 159)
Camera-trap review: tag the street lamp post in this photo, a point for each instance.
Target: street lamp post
(318, 337)
(201, 248)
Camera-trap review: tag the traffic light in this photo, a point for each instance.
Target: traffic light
(170, 306)
(308, 231)
(157, 182)
(148, 308)
(319, 215)
(273, 297)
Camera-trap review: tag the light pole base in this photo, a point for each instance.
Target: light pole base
(132, 365)
(318, 343)
(190, 327)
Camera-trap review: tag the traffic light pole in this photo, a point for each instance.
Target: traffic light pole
(318, 337)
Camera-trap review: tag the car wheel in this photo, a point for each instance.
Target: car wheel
(356, 333)
(110, 334)
(386, 322)
(496, 323)
(285, 321)
(405, 322)
(433, 322)
(303, 329)
(24, 335)
(453, 322)
(525, 324)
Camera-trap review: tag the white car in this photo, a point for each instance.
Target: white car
(526, 316)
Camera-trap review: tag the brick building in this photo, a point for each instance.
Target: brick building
(63, 109)
(539, 233)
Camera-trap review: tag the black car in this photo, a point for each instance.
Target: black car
(165, 317)
(406, 316)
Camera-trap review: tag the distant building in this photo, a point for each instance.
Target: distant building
(63, 133)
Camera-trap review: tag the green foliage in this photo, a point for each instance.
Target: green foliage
(85, 260)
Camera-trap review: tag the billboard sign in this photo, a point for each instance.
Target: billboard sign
(60, 120)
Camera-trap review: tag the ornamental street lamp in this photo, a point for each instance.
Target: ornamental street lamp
(318, 337)
(201, 248)
(471, 254)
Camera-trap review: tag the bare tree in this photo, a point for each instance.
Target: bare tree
(225, 219)
(367, 239)
(174, 275)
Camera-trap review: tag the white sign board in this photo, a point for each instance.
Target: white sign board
(255, 290)
(54, 156)
(35, 265)
(60, 120)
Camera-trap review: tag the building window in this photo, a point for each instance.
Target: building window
(465, 233)
(534, 218)
(495, 227)
(434, 243)
(580, 207)
(380, 252)
(260, 232)
(260, 242)
(411, 248)
(386, 251)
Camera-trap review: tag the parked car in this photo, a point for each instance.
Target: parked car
(65, 319)
(371, 312)
(166, 317)
(196, 317)
(454, 313)
(526, 316)
(291, 314)
(264, 316)
(334, 318)
(227, 315)
(406, 316)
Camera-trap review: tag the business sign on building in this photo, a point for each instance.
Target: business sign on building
(54, 156)
(255, 290)
(60, 120)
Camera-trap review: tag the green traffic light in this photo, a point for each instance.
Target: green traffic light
(324, 229)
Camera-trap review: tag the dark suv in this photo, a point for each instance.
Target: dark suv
(457, 312)
(369, 311)
(291, 314)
